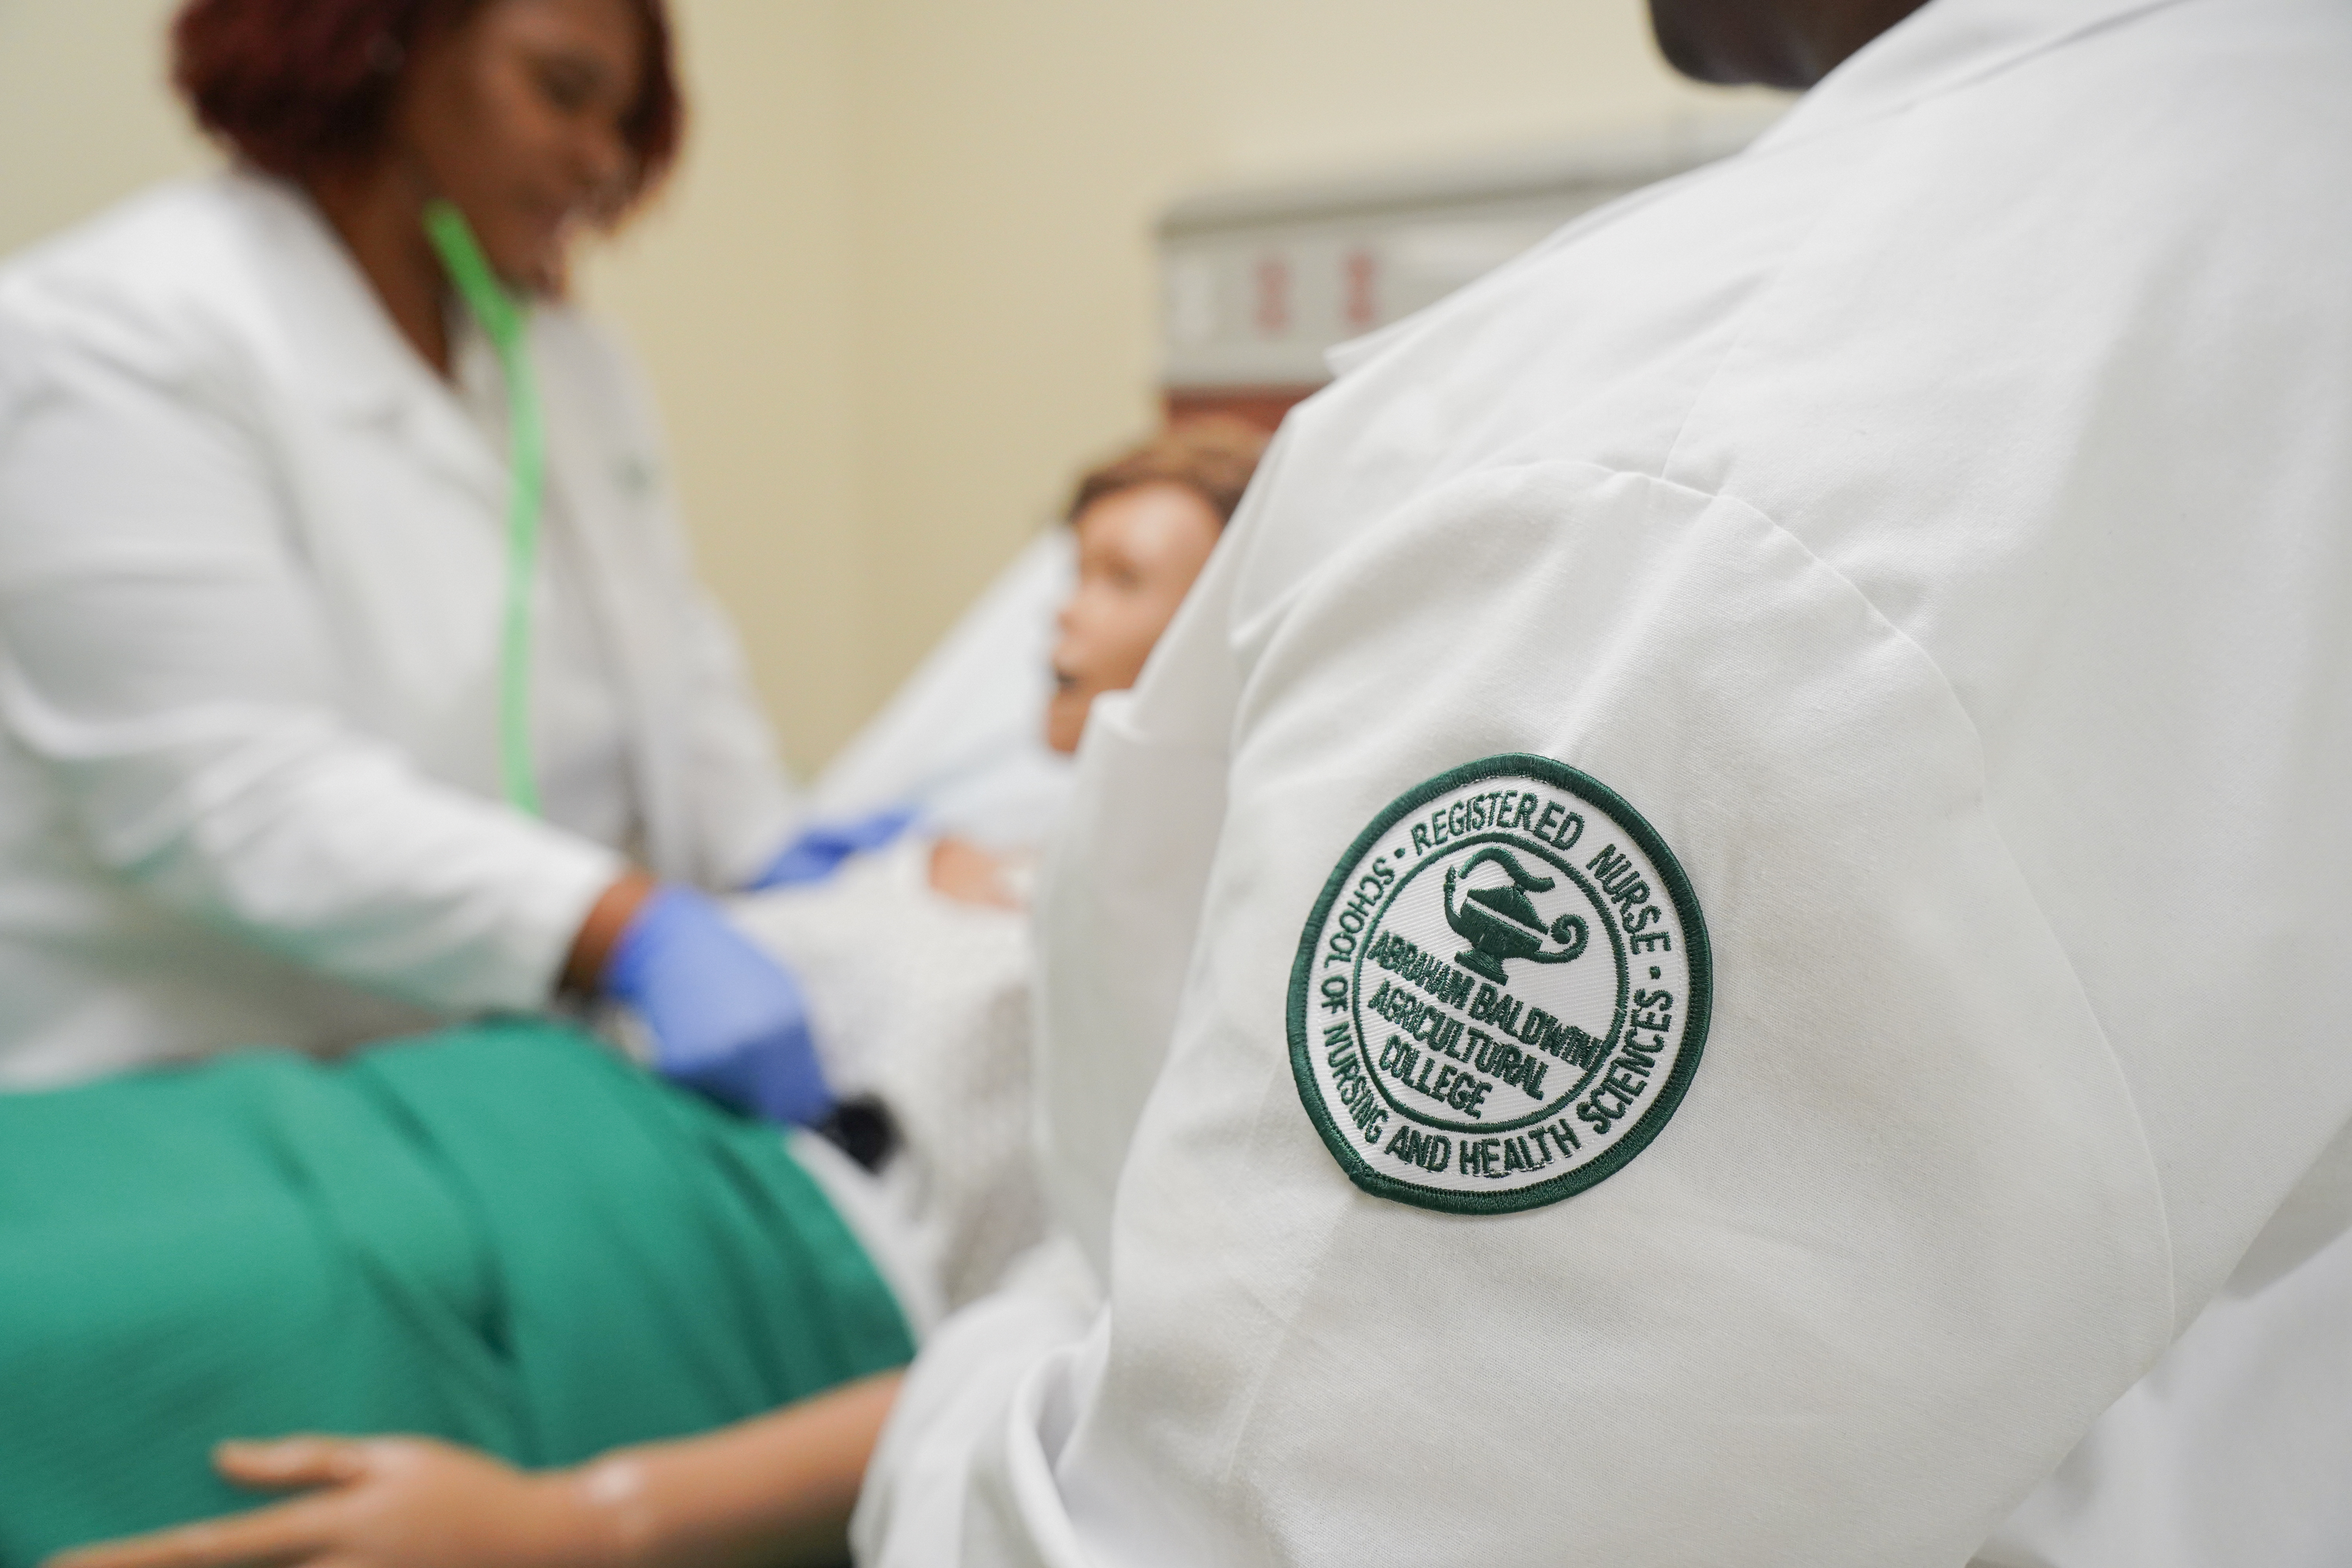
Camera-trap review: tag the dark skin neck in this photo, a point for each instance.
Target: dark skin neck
(379, 213)
(1769, 43)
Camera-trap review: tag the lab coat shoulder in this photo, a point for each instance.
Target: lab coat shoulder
(184, 285)
(2072, 425)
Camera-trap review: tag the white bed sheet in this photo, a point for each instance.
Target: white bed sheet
(964, 736)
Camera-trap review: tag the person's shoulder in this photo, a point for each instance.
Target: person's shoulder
(2294, 50)
(173, 274)
(2188, 86)
(171, 240)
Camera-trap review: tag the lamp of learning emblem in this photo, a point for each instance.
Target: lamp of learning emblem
(1500, 923)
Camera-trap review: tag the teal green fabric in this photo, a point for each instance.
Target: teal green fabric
(502, 1235)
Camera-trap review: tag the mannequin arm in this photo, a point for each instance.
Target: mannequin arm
(774, 1489)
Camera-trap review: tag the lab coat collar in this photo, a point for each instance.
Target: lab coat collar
(354, 364)
(1944, 45)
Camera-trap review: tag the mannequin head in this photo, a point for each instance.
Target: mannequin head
(1138, 551)
(1146, 525)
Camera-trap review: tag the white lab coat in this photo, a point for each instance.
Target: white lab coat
(252, 569)
(1933, 522)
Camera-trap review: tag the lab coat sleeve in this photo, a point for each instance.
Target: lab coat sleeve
(162, 655)
(1901, 1243)
(949, 1425)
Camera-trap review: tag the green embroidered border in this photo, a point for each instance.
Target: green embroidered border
(1698, 955)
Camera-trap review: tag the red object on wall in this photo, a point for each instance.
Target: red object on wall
(1273, 297)
(1363, 308)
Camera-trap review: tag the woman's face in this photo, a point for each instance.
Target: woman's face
(515, 115)
(1138, 551)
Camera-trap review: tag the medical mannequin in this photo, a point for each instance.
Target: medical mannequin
(255, 484)
(1145, 524)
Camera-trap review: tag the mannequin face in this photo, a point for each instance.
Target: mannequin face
(515, 115)
(1138, 551)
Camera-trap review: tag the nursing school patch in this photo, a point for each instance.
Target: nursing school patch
(1503, 991)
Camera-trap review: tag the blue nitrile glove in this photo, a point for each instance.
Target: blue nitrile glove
(728, 1021)
(819, 851)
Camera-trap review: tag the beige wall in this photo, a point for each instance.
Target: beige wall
(85, 115)
(903, 287)
(740, 291)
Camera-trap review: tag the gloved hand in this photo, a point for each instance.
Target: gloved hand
(820, 849)
(728, 1021)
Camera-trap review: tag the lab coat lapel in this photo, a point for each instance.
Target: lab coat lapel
(358, 368)
(361, 373)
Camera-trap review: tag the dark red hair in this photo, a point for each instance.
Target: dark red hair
(297, 87)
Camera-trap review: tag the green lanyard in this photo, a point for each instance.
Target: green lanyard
(505, 320)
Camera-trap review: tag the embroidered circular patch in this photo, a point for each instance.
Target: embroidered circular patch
(1503, 991)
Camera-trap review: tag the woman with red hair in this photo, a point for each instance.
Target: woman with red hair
(351, 665)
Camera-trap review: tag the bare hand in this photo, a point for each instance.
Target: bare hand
(965, 872)
(381, 1502)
